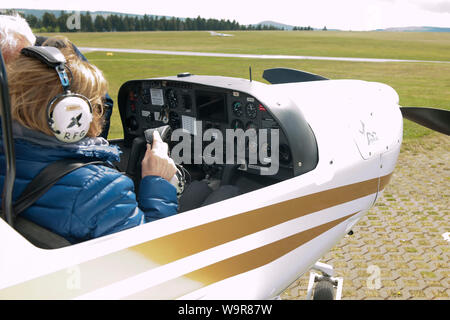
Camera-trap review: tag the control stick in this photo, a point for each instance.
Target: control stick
(163, 131)
(178, 180)
(137, 153)
(134, 161)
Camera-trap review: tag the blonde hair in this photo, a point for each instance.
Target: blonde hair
(32, 84)
(15, 34)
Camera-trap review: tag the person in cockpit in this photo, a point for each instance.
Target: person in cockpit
(15, 34)
(94, 200)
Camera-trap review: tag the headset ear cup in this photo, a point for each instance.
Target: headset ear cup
(69, 117)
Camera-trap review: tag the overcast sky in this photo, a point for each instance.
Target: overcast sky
(336, 14)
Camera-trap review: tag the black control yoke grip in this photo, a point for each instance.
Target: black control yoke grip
(134, 158)
(164, 132)
(138, 151)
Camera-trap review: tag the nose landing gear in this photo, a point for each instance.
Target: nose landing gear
(327, 287)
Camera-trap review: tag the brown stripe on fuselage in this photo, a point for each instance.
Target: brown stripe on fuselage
(181, 244)
(260, 256)
(190, 241)
(241, 263)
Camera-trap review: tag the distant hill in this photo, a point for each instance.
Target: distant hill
(416, 29)
(286, 26)
(275, 24)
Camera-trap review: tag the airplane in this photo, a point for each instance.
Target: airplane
(213, 33)
(338, 142)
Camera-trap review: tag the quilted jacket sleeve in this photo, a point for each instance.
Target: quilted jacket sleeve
(157, 198)
(107, 204)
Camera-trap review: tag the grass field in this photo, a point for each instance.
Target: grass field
(390, 45)
(393, 45)
(418, 84)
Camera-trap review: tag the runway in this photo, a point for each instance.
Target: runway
(250, 56)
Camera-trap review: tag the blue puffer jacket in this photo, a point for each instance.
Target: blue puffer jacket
(91, 201)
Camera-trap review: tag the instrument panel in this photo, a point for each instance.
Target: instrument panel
(195, 108)
(154, 103)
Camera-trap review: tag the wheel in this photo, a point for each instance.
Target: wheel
(324, 290)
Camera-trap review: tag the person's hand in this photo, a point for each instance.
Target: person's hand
(156, 161)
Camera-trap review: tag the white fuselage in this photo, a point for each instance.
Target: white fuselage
(249, 247)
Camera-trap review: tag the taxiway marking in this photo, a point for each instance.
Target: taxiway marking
(251, 56)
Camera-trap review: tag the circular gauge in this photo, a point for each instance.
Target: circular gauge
(174, 120)
(131, 124)
(265, 147)
(250, 110)
(237, 124)
(145, 95)
(252, 147)
(172, 99)
(237, 109)
(208, 125)
(285, 154)
(187, 101)
(250, 125)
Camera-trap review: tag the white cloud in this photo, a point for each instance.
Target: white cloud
(440, 7)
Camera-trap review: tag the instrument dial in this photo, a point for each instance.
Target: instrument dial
(132, 124)
(145, 95)
(250, 110)
(237, 109)
(187, 101)
(172, 99)
(251, 125)
(174, 120)
(285, 154)
(252, 147)
(237, 124)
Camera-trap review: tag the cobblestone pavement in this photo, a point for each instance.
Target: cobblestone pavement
(400, 246)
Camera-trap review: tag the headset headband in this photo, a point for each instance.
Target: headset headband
(53, 58)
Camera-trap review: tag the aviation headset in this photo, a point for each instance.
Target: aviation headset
(69, 115)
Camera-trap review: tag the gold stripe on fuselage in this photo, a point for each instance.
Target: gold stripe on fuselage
(190, 241)
(238, 264)
(184, 243)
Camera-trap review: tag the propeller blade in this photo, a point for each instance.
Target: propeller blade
(435, 119)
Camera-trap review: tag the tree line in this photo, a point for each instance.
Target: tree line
(113, 22)
(308, 28)
(87, 22)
